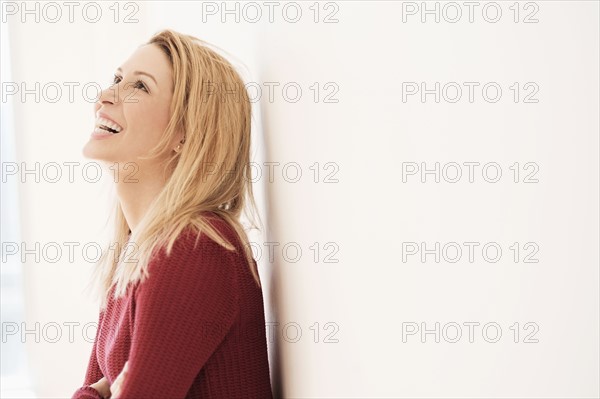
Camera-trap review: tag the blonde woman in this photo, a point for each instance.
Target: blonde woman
(181, 303)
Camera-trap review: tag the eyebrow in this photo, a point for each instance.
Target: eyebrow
(141, 73)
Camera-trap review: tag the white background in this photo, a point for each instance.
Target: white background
(368, 135)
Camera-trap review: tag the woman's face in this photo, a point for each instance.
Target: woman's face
(136, 107)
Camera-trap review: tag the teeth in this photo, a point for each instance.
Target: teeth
(107, 123)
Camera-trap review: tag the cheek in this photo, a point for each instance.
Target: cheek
(147, 125)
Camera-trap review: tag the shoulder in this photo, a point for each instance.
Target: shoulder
(192, 241)
(195, 255)
(189, 275)
(226, 231)
(218, 223)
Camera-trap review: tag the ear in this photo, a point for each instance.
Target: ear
(180, 137)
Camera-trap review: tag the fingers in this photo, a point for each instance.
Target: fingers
(103, 387)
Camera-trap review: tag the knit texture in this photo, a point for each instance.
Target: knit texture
(195, 328)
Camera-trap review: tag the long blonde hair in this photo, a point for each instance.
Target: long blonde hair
(209, 174)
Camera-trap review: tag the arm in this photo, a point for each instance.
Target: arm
(93, 373)
(183, 311)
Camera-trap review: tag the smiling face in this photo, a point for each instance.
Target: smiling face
(137, 106)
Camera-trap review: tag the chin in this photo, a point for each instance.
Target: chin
(96, 150)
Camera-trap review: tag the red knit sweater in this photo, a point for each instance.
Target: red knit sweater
(195, 328)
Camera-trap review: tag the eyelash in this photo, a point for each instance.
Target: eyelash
(143, 86)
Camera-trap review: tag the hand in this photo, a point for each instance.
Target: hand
(102, 387)
(119, 381)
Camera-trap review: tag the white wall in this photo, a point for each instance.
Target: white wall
(370, 211)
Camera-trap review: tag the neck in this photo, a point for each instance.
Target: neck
(136, 191)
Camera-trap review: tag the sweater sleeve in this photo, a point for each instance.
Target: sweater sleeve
(183, 311)
(93, 373)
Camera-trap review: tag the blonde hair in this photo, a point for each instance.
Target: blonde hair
(209, 174)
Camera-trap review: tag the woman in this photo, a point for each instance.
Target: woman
(181, 304)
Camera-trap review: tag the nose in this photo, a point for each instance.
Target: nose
(110, 95)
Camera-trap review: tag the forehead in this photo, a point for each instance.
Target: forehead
(149, 58)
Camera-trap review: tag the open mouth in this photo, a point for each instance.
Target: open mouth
(107, 125)
(108, 129)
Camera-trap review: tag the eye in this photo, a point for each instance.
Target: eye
(140, 85)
